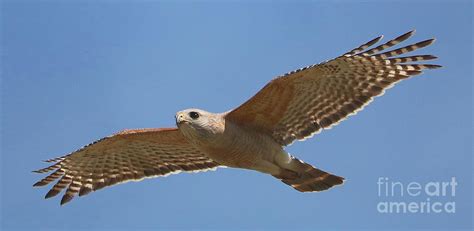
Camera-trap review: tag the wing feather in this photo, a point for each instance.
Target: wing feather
(127, 155)
(302, 103)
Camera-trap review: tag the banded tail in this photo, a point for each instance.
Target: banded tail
(308, 178)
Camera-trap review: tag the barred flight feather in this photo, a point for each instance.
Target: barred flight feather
(131, 155)
(302, 103)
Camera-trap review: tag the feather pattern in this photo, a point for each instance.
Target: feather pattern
(125, 156)
(302, 103)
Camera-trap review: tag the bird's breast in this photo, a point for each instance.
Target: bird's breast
(240, 147)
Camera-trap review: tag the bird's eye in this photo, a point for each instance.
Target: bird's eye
(194, 115)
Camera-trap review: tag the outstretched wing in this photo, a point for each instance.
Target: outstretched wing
(303, 102)
(127, 155)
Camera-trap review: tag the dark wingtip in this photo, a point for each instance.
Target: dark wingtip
(433, 66)
(425, 43)
(39, 184)
(53, 192)
(413, 73)
(406, 35)
(39, 171)
(375, 40)
(84, 191)
(66, 198)
(429, 57)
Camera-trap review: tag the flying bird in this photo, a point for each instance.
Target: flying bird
(291, 107)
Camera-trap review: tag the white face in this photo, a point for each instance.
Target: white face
(190, 117)
(196, 123)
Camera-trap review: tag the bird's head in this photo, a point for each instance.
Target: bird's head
(196, 123)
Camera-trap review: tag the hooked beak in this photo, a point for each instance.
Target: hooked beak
(179, 119)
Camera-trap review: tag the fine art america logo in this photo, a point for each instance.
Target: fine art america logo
(416, 197)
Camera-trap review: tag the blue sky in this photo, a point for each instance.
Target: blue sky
(75, 71)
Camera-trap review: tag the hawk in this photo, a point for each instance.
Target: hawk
(291, 107)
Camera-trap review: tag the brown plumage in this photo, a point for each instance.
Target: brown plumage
(252, 136)
(127, 155)
(305, 101)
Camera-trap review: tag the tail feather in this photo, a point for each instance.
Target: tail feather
(310, 179)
